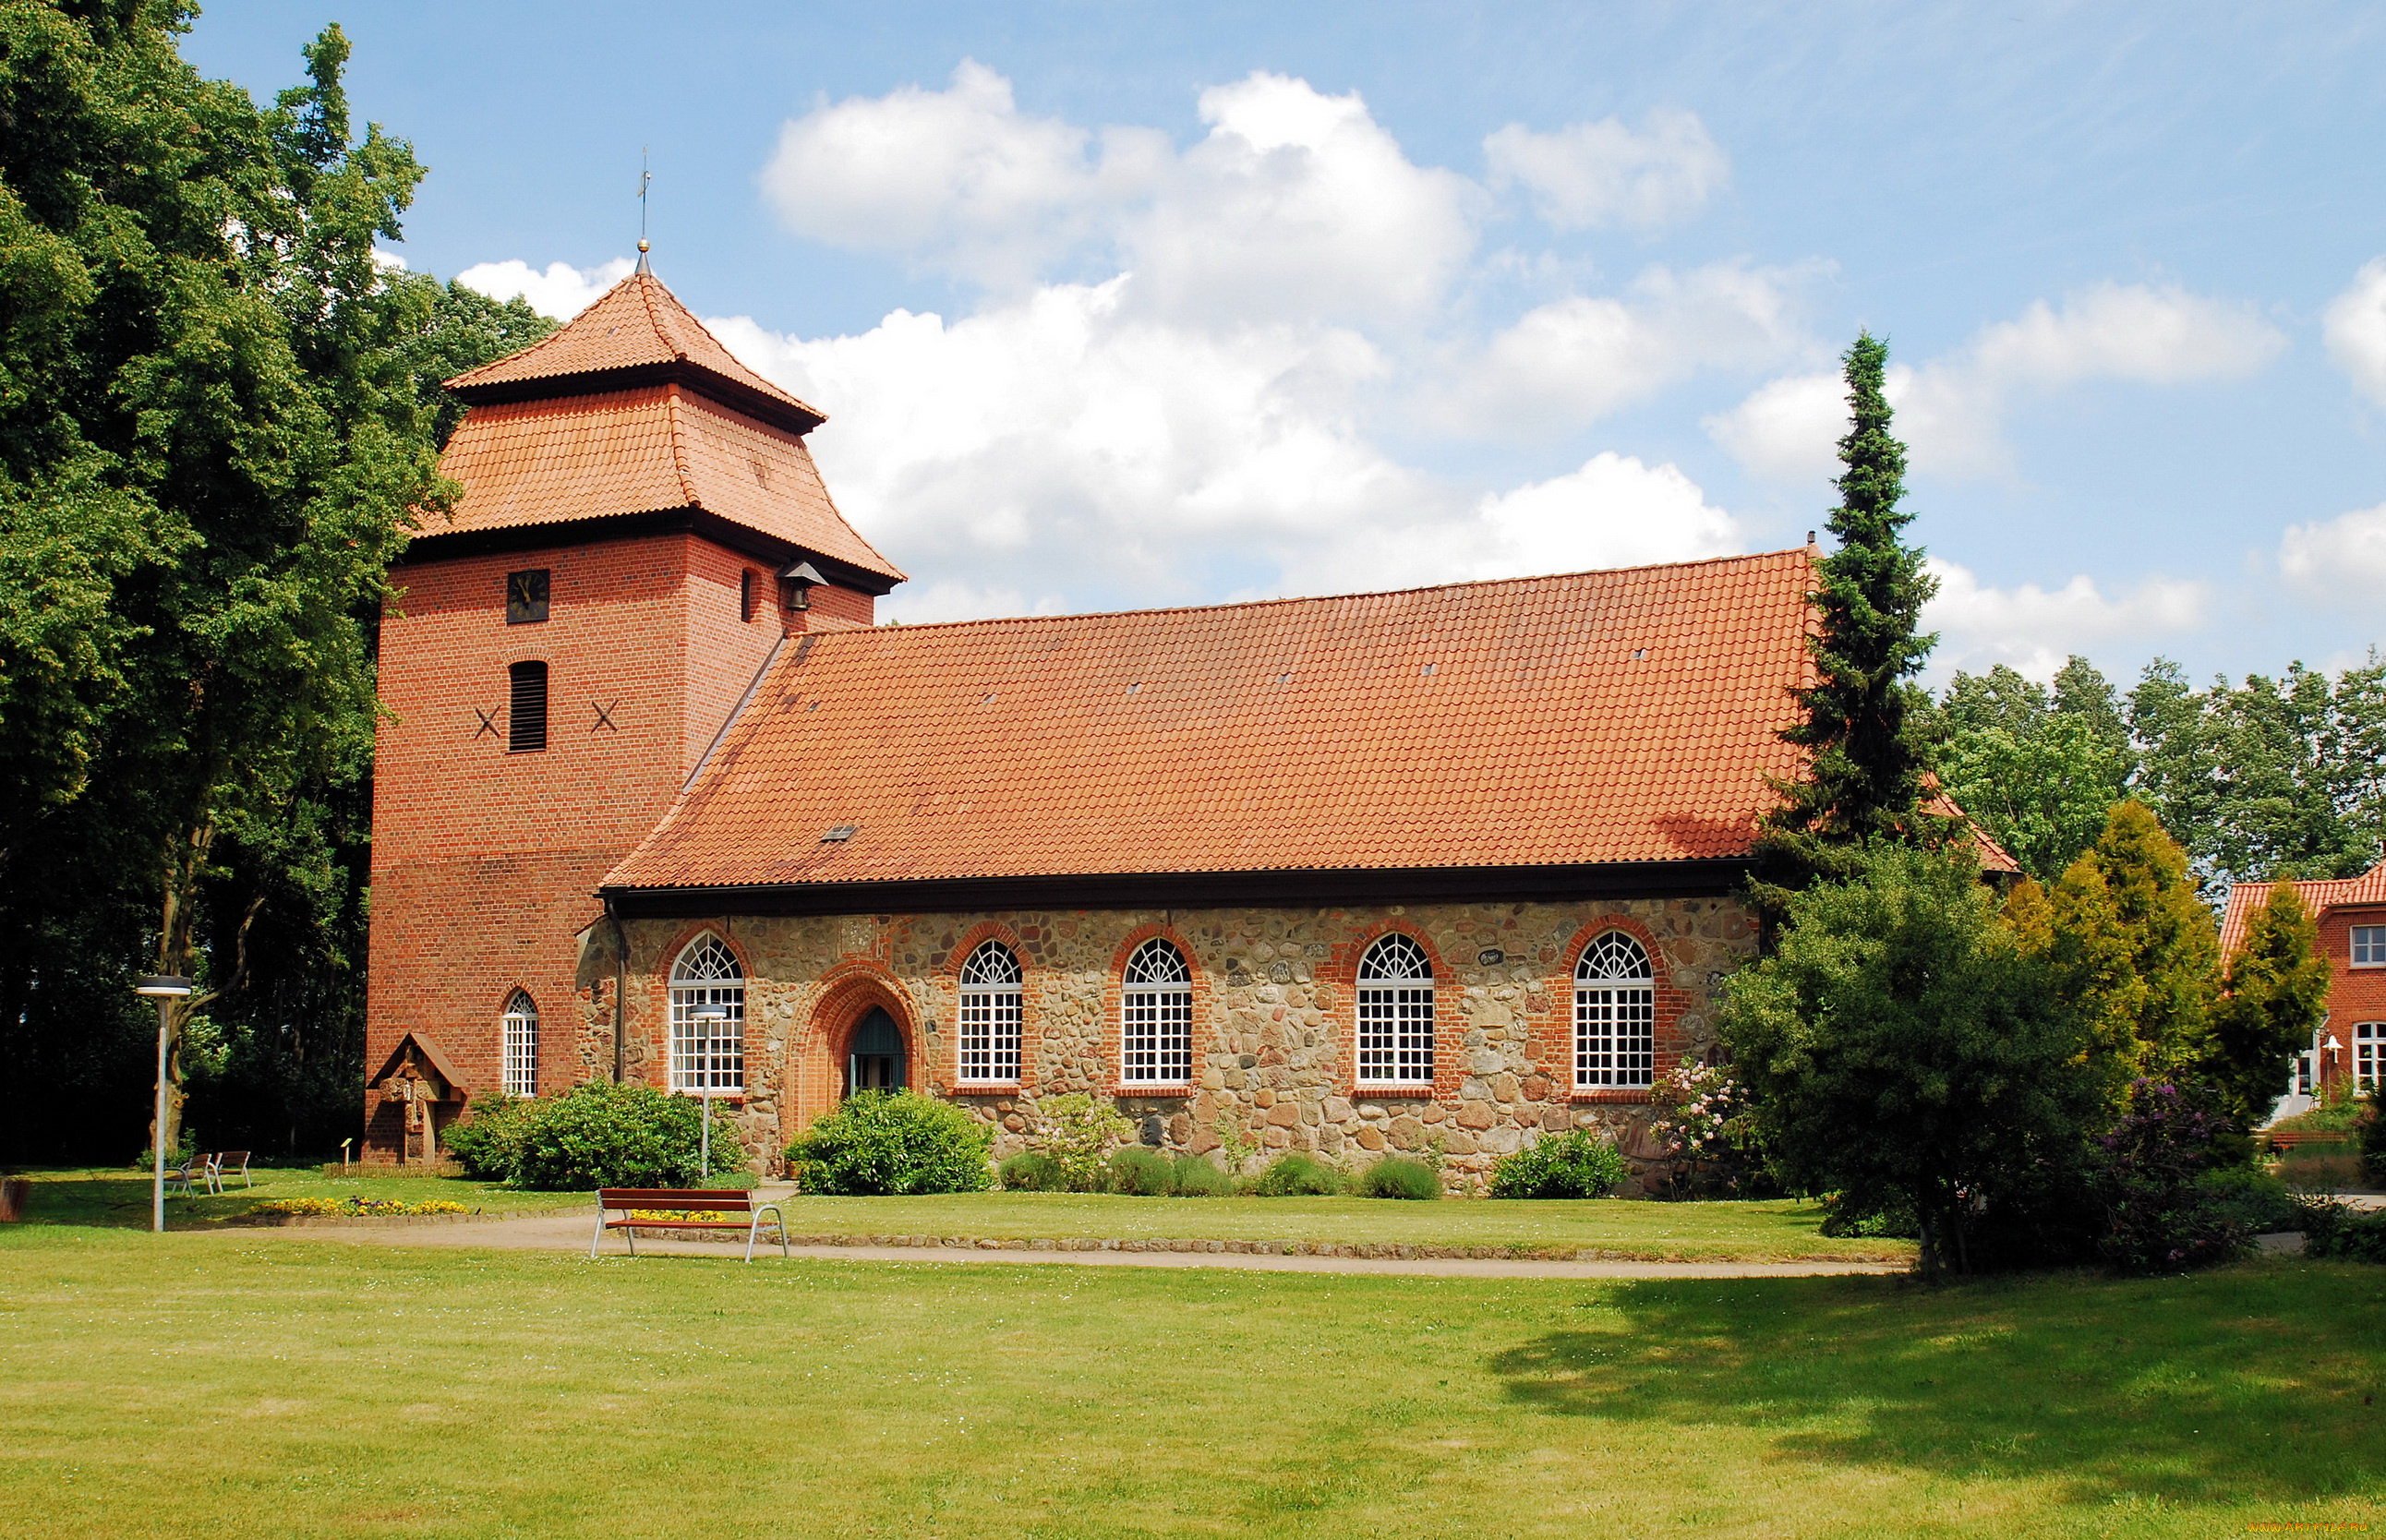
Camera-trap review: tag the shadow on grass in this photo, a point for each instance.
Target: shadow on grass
(2264, 1382)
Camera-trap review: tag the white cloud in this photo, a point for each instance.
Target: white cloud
(1575, 360)
(562, 291)
(1615, 511)
(1599, 174)
(2356, 328)
(2341, 558)
(2034, 629)
(1950, 409)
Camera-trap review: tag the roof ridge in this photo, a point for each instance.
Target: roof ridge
(678, 448)
(1750, 557)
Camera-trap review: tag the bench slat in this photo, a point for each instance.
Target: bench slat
(612, 1195)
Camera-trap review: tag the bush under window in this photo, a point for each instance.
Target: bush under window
(1140, 1172)
(1398, 1176)
(601, 1135)
(1032, 1171)
(1294, 1174)
(899, 1141)
(1570, 1165)
(1198, 1177)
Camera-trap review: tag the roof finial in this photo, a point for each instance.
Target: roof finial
(645, 177)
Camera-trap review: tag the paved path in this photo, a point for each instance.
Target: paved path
(569, 1233)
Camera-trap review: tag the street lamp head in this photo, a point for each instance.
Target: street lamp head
(708, 1012)
(164, 986)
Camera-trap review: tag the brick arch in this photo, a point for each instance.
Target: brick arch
(1205, 1022)
(842, 997)
(947, 980)
(1670, 1003)
(1449, 1020)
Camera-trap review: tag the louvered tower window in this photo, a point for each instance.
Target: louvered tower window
(521, 1040)
(990, 993)
(1156, 1036)
(1614, 1014)
(526, 713)
(705, 1051)
(1395, 1014)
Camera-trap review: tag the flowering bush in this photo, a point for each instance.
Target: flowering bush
(2163, 1169)
(1080, 1132)
(355, 1206)
(1705, 1131)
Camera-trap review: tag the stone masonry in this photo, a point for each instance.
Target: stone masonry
(1273, 1017)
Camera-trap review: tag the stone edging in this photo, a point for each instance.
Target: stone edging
(1383, 1251)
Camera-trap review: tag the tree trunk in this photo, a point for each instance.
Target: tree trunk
(187, 861)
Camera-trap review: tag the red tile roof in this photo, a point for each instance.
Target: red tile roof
(638, 328)
(2317, 897)
(647, 450)
(1602, 717)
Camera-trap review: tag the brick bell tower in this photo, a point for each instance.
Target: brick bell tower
(641, 529)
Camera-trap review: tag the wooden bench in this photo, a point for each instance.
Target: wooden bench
(631, 1201)
(2289, 1137)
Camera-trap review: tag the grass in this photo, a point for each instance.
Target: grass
(114, 1196)
(239, 1383)
(1688, 1232)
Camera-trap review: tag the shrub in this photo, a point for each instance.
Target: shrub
(2347, 1233)
(2371, 1132)
(1141, 1172)
(1078, 1131)
(1294, 1174)
(1398, 1176)
(2253, 1199)
(880, 1142)
(1032, 1171)
(487, 1140)
(2164, 1208)
(600, 1134)
(1195, 1177)
(1570, 1165)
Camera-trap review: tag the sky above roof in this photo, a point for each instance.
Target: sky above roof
(1114, 305)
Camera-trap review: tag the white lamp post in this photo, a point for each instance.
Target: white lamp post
(711, 1014)
(165, 988)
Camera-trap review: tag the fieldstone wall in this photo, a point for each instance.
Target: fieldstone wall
(1273, 1007)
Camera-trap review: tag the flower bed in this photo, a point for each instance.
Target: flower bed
(353, 1207)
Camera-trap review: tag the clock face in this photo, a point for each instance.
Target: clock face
(526, 596)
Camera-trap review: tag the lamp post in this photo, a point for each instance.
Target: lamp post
(711, 1013)
(165, 988)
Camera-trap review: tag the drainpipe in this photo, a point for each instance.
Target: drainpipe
(620, 980)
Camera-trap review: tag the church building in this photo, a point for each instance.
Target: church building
(1427, 871)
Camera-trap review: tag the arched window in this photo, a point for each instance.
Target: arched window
(708, 1018)
(990, 1016)
(1156, 1039)
(1395, 1014)
(1614, 1014)
(520, 1037)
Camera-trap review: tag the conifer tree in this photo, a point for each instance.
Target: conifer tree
(1867, 755)
(2276, 994)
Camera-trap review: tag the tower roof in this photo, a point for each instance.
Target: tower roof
(637, 333)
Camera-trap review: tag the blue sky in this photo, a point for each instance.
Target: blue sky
(1120, 305)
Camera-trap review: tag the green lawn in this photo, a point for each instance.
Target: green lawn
(247, 1384)
(117, 1196)
(1690, 1231)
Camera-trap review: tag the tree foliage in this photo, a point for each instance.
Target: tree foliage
(214, 438)
(1867, 758)
(2276, 995)
(2037, 770)
(1906, 1053)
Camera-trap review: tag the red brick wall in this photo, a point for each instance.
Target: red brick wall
(2356, 995)
(485, 861)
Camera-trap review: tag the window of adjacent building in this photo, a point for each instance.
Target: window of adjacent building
(2369, 1056)
(2369, 947)
(705, 1051)
(1614, 1014)
(526, 596)
(520, 1037)
(2304, 1074)
(1395, 1014)
(527, 708)
(990, 995)
(1156, 1040)
(745, 595)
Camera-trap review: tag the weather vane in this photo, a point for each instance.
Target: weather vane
(645, 177)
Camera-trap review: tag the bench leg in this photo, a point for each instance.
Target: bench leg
(600, 1232)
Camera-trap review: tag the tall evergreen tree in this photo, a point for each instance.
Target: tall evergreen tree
(1867, 754)
(2276, 994)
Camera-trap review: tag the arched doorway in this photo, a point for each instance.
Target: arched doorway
(874, 1059)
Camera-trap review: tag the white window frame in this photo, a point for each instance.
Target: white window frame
(708, 973)
(1156, 1017)
(2368, 1056)
(1614, 1015)
(1395, 1022)
(518, 1044)
(2370, 939)
(991, 1012)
